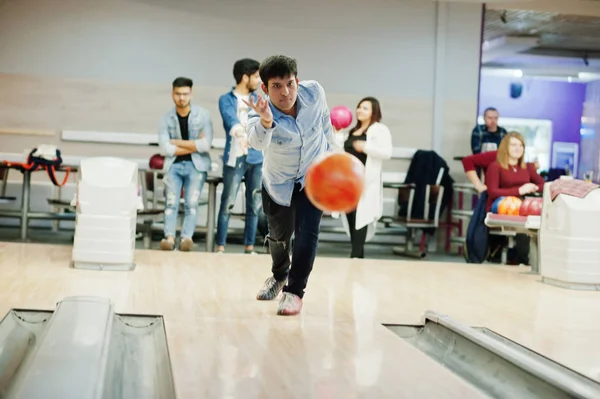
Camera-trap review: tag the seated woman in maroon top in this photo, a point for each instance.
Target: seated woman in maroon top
(482, 161)
(509, 175)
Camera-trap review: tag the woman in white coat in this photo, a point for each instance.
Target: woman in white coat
(371, 142)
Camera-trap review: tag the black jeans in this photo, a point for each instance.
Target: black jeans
(303, 220)
(357, 237)
(519, 254)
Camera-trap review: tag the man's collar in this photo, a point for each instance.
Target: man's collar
(193, 111)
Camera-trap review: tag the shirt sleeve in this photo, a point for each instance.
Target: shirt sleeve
(229, 115)
(259, 137)
(204, 144)
(482, 160)
(164, 140)
(535, 177)
(379, 142)
(476, 140)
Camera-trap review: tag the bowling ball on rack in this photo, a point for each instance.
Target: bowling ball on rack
(508, 205)
(335, 182)
(156, 161)
(531, 206)
(523, 210)
(536, 206)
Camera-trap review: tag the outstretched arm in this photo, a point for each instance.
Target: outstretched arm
(260, 124)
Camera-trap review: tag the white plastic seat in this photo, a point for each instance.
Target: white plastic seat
(107, 201)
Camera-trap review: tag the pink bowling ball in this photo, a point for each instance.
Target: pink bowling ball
(341, 117)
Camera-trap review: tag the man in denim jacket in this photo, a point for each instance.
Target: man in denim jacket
(240, 161)
(185, 137)
(293, 129)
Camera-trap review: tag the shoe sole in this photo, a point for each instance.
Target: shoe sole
(166, 246)
(186, 246)
(280, 313)
(287, 313)
(264, 298)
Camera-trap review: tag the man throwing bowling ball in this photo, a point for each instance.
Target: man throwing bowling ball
(293, 128)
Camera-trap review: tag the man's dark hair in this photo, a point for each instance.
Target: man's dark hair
(246, 66)
(489, 109)
(183, 82)
(277, 66)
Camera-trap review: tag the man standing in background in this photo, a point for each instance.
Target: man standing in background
(489, 133)
(240, 161)
(185, 137)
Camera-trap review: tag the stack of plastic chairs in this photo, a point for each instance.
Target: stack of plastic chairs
(107, 200)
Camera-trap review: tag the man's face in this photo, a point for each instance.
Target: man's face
(182, 96)
(491, 120)
(282, 92)
(252, 81)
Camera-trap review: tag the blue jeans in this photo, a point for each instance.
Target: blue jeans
(232, 178)
(182, 175)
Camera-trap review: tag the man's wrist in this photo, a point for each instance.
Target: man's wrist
(266, 124)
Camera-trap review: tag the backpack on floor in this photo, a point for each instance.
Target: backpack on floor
(476, 246)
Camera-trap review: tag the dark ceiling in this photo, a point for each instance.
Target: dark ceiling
(559, 35)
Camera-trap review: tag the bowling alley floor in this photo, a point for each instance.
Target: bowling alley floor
(339, 247)
(224, 343)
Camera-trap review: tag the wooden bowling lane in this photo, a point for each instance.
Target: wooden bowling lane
(295, 358)
(224, 343)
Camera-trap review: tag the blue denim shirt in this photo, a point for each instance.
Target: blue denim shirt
(228, 104)
(198, 121)
(291, 145)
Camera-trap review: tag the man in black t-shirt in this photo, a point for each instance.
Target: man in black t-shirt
(185, 137)
(183, 126)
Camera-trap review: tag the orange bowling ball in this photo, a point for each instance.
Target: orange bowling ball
(335, 182)
(510, 206)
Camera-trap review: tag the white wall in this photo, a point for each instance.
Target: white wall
(108, 65)
(354, 48)
(154, 41)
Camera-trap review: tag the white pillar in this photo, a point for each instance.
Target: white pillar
(439, 75)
